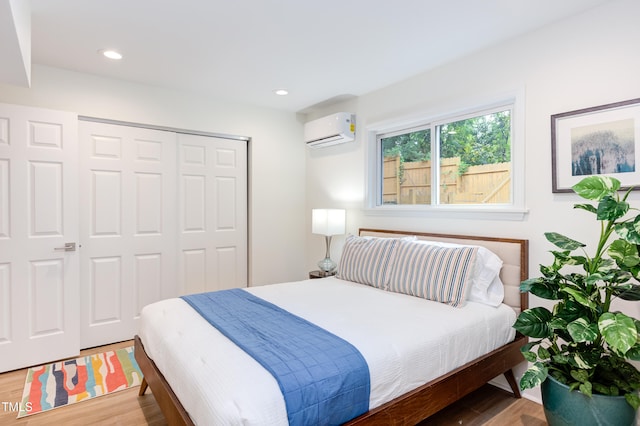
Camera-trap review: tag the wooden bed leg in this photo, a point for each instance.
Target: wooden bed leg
(512, 382)
(143, 387)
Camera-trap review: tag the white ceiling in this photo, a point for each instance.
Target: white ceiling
(242, 50)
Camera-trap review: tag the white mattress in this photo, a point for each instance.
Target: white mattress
(406, 341)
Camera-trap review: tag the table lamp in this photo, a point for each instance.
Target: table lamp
(328, 222)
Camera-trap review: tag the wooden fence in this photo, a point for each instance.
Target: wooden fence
(410, 182)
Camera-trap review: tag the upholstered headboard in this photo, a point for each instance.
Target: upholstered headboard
(513, 252)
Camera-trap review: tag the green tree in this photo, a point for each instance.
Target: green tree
(478, 140)
(414, 146)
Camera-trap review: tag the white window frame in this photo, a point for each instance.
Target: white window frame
(515, 210)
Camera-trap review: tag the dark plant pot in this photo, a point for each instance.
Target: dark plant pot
(563, 407)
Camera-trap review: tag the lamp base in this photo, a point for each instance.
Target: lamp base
(327, 265)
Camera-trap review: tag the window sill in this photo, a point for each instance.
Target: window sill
(450, 212)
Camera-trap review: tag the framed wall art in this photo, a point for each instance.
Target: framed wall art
(602, 140)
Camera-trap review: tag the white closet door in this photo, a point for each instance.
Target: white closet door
(39, 301)
(127, 227)
(212, 213)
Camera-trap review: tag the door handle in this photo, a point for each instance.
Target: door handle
(67, 247)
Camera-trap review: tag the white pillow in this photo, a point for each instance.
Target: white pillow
(486, 285)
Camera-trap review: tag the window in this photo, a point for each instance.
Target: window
(461, 162)
(406, 165)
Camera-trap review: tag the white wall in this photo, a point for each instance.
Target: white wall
(277, 170)
(581, 62)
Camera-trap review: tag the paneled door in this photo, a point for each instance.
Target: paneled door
(161, 214)
(212, 200)
(39, 291)
(127, 226)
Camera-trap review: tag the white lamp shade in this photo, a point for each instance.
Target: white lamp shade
(328, 221)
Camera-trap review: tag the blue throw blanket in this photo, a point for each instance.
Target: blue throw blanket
(323, 378)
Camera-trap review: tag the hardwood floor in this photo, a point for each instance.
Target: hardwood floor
(487, 406)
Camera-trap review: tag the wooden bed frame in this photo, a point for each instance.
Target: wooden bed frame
(426, 400)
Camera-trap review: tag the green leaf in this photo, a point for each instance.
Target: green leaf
(580, 375)
(634, 353)
(595, 278)
(633, 399)
(601, 389)
(577, 360)
(629, 231)
(626, 291)
(558, 324)
(562, 258)
(563, 242)
(587, 207)
(578, 260)
(525, 286)
(611, 209)
(618, 330)
(606, 265)
(583, 331)
(618, 278)
(530, 356)
(534, 376)
(579, 297)
(534, 322)
(585, 388)
(560, 359)
(541, 287)
(570, 310)
(526, 352)
(545, 289)
(543, 353)
(549, 271)
(596, 187)
(624, 253)
(529, 345)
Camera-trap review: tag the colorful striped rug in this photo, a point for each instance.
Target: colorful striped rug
(67, 382)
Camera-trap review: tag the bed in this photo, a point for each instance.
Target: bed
(408, 383)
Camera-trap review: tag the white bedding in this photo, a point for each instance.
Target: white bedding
(406, 341)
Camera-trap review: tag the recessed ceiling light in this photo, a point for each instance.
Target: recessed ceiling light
(110, 53)
(281, 92)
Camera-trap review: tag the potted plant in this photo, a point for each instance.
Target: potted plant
(581, 346)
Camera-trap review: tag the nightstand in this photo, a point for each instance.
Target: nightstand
(321, 274)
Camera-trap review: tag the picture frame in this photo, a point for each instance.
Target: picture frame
(601, 140)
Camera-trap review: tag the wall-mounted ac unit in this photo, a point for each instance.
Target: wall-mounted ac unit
(330, 130)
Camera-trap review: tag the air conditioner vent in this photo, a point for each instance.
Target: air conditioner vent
(330, 130)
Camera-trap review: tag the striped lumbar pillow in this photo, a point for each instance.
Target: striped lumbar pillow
(441, 274)
(365, 260)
